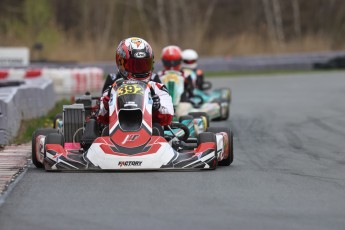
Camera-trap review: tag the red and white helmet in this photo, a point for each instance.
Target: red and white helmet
(134, 59)
(190, 59)
(172, 58)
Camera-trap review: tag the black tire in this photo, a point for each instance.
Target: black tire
(227, 113)
(33, 144)
(55, 138)
(222, 118)
(185, 117)
(209, 137)
(230, 159)
(225, 99)
(201, 114)
(56, 119)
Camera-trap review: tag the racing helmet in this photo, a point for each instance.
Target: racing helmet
(134, 59)
(171, 57)
(190, 59)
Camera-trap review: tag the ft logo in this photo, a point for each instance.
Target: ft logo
(130, 137)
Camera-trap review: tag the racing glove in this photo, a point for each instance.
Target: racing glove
(156, 102)
(105, 100)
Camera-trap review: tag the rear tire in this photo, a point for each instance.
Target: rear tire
(55, 138)
(209, 137)
(201, 114)
(230, 159)
(38, 132)
(227, 98)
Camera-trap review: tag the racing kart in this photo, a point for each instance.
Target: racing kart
(216, 107)
(131, 141)
(222, 94)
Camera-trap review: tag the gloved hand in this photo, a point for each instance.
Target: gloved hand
(156, 102)
(105, 100)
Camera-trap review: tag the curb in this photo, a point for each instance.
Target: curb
(13, 161)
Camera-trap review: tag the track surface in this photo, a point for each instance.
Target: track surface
(288, 172)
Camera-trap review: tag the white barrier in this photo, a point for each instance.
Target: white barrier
(66, 81)
(32, 99)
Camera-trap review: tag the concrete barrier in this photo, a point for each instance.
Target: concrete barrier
(32, 99)
(65, 80)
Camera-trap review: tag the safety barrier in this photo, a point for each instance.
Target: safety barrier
(66, 81)
(34, 98)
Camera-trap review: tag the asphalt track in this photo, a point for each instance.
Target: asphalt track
(288, 172)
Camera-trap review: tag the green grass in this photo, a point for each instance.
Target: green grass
(245, 73)
(27, 127)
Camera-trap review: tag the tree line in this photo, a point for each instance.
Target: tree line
(89, 30)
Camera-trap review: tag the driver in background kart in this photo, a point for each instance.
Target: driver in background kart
(190, 62)
(134, 60)
(172, 60)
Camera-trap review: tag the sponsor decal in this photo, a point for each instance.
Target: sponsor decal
(130, 137)
(140, 55)
(136, 41)
(131, 103)
(129, 163)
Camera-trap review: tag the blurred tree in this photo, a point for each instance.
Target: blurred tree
(92, 29)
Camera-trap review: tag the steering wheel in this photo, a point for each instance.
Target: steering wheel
(196, 104)
(180, 126)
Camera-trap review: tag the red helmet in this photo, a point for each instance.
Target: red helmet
(134, 59)
(172, 57)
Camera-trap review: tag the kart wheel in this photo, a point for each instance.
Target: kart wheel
(201, 114)
(228, 93)
(209, 137)
(225, 94)
(226, 115)
(38, 132)
(55, 138)
(230, 159)
(57, 118)
(185, 117)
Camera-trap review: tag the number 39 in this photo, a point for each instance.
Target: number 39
(129, 89)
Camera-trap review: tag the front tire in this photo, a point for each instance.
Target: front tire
(228, 161)
(37, 133)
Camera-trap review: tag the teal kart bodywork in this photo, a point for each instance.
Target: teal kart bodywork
(216, 103)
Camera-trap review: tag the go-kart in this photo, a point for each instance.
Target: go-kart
(130, 142)
(222, 94)
(200, 103)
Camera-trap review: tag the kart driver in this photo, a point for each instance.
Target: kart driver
(172, 59)
(190, 62)
(134, 60)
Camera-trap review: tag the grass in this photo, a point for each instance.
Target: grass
(27, 127)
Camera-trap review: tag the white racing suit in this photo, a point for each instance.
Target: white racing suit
(163, 115)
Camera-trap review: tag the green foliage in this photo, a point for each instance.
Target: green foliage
(29, 126)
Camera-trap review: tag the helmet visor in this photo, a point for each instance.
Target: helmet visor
(139, 65)
(171, 63)
(189, 61)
